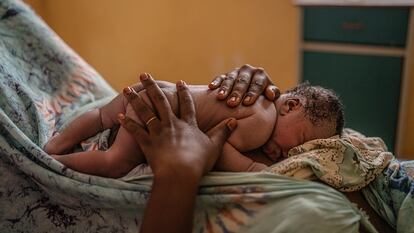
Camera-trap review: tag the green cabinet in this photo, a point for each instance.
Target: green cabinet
(359, 53)
(369, 87)
(375, 26)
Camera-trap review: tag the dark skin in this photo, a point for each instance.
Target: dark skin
(244, 85)
(194, 152)
(178, 153)
(240, 86)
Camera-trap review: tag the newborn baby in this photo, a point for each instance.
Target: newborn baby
(301, 114)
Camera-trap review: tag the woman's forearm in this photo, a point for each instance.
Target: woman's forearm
(178, 153)
(172, 212)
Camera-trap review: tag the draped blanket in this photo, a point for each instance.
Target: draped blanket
(347, 163)
(44, 85)
(391, 194)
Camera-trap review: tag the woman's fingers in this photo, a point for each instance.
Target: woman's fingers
(142, 110)
(140, 134)
(158, 99)
(221, 132)
(256, 88)
(137, 87)
(272, 92)
(261, 83)
(245, 85)
(216, 82)
(218, 136)
(227, 84)
(240, 86)
(186, 103)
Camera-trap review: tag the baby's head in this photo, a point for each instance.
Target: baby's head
(304, 113)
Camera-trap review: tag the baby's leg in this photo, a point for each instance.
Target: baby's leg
(116, 162)
(87, 125)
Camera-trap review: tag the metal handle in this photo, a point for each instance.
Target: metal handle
(352, 26)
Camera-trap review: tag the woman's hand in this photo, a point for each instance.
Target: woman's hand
(244, 84)
(169, 141)
(177, 152)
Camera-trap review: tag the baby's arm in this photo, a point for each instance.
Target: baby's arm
(233, 161)
(86, 125)
(252, 132)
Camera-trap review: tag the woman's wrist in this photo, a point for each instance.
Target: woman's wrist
(177, 175)
(172, 212)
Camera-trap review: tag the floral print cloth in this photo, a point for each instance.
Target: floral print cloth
(392, 195)
(347, 163)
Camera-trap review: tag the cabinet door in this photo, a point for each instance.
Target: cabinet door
(374, 26)
(369, 87)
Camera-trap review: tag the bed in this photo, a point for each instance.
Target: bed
(44, 84)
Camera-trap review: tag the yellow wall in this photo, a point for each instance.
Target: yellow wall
(190, 40)
(187, 39)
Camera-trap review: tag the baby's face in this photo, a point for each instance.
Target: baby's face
(292, 129)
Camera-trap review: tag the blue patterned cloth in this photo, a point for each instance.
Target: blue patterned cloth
(44, 84)
(392, 195)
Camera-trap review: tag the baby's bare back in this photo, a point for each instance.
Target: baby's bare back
(255, 123)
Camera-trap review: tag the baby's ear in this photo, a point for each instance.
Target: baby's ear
(290, 104)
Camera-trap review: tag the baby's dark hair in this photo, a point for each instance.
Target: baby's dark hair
(322, 105)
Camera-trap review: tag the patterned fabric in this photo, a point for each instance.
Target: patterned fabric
(348, 163)
(392, 195)
(43, 85)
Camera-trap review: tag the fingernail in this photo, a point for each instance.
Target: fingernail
(127, 90)
(143, 76)
(247, 99)
(270, 93)
(233, 99)
(221, 92)
(121, 116)
(213, 84)
(231, 124)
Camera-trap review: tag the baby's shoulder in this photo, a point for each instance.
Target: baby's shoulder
(256, 128)
(262, 111)
(263, 108)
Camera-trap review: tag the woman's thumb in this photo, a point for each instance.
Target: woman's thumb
(222, 131)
